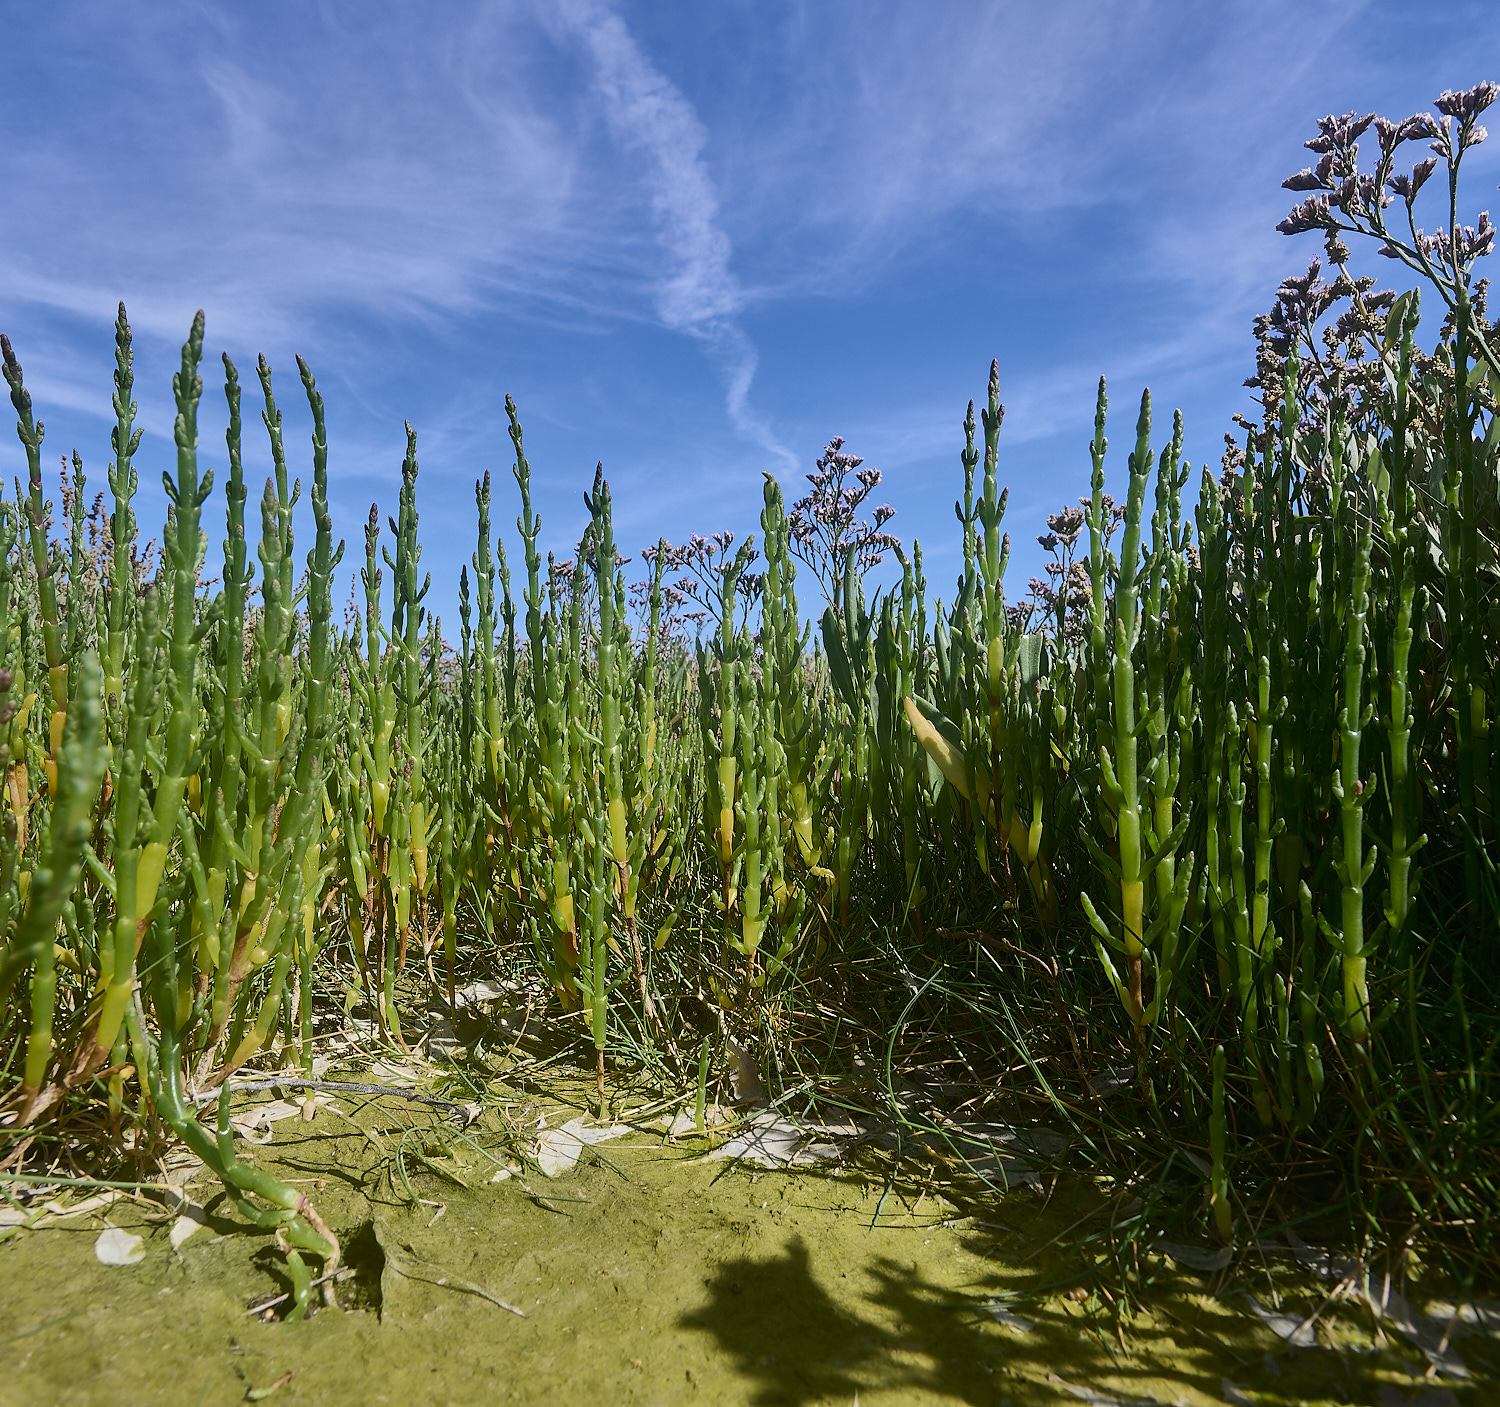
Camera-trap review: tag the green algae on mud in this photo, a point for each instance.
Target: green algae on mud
(646, 1275)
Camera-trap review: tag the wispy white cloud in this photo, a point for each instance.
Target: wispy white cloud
(344, 177)
(893, 137)
(654, 193)
(333, 177)
(698, 293)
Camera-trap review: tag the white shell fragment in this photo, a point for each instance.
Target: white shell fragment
(1199, 1258)
(1293, 1328)
(559, 1149)
(686, 1120)
(116, 1247)
(477, 993)
(1098, 1399)
(744, 1078)
(392, 1072)
(774, 1141)
(192, 1219)
(254, 1125)
(1010, 1321)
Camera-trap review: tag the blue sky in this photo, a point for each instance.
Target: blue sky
(694, 241)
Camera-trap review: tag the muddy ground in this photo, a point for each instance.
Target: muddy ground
(649, 1275)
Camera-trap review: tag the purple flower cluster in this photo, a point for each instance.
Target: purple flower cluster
(1336, 328)
(825, 526)
(1342, 197)
(698, 567)
(1062, 596)
(825, 529)
(1469, 242)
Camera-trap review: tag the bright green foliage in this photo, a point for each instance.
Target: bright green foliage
(1234, 777)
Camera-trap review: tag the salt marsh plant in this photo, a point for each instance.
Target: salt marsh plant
(1222, 789)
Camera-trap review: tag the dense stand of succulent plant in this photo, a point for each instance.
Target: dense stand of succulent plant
(1236, 755)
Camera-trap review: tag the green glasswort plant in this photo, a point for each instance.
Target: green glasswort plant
(1216, 802)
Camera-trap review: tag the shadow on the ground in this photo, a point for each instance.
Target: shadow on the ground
(892, 1329)
(784, 1330)
(797, 1335)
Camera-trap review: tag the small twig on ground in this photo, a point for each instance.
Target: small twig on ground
(450, 1282)
(335, 1086)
